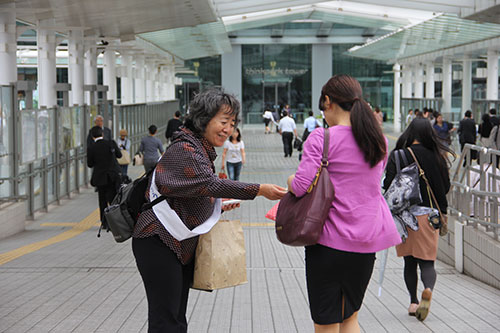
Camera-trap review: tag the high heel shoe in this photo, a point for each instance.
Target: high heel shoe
(425, 304)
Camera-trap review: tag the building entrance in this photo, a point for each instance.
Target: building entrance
(275, 93)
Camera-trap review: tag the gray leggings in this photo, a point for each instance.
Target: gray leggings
(427, 274)
(148, 165)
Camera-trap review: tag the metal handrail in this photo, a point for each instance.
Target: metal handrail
(483, 194)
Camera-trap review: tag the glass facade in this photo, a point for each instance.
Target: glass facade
(200, 74)
(375, 76)
(273, 76)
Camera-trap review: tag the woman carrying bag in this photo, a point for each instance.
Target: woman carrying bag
(359, 223)
(186, 176)
(421, 144)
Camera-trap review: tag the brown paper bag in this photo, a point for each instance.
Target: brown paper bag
(220, 260)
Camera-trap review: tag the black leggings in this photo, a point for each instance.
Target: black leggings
(427, 274)
(167, 284)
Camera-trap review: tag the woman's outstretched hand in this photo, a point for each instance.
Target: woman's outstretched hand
(271, 191)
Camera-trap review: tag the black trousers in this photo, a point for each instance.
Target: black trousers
(106, 195)
(167, 284)
(287, 138)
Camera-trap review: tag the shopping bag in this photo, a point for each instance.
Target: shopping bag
(271, 214)
(125, 159)
(220, 260)
(138, 159)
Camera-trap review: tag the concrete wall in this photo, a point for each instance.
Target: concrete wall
(479, 252)
(13, 219)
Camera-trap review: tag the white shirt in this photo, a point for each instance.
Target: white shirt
(311, 123)
(233, 154)
(268, 115)
(287, 124)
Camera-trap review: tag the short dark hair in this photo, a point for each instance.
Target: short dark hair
(311, 113)
(493, 111)
(177, 113)
(152, 129)
(206, 105)
(96, 132)
(468, 113)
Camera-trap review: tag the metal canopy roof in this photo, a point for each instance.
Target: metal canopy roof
(213, 38)
(441, 32)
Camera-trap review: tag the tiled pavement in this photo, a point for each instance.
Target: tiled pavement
(90, 284)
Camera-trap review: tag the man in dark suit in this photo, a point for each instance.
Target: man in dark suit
(173, 126)
(101, 156)
(99, 121)
(467, 133)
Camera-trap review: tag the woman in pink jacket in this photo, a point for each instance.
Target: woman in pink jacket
(359, 224)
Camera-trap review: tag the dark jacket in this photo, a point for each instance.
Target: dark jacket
(106, 134)
(439, 179)
(172, 126)
(485, 126)
(467, 131)
(101, 156)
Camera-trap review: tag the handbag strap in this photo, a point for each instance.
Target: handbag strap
(324, 159)
(429, 188)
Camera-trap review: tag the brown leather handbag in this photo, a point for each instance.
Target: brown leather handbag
(299, 221)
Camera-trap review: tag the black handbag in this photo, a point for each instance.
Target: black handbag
(299, 221)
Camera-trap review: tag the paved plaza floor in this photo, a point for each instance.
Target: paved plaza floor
(57, 276)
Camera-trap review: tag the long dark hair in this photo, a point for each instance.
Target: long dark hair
(346, 92)
(420, 129)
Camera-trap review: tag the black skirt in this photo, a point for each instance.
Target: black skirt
(336, 278)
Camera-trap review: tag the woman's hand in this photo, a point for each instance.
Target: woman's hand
(271, 191)
(222, 167)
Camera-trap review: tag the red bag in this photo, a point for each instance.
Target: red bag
(299, 221)
(222, 174)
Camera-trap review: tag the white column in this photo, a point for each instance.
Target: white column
(407, 82)
(492, 79)
(170, 93)
(109, 73)
(150, 77)
(397, 97)
(231, 75)
(90, 70)
(429, 80)
(46, 41)
(75, 68)
(126, 79)
(447, 82)
(466, 84)
(419, 81)
(140, 87)
(321, 62)
(8, 44)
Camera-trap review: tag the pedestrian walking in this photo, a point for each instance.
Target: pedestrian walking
(101, 156)
(151, 148)
(173, 126)
(99, 121)
(234, 151)
(310, 124)
(467, 134)
(420, 248)
(339, 267)
(443, 129)
(124, 144)
(186, 176)
(268, 120)
(287, 129)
